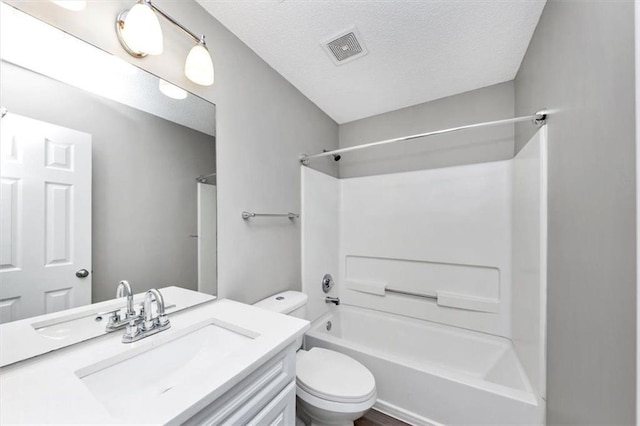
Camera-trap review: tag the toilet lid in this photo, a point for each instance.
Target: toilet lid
(334, 376)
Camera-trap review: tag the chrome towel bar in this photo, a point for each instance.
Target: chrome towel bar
(247, 215)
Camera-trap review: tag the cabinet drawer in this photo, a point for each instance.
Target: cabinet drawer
(281, 411)
(245, 400)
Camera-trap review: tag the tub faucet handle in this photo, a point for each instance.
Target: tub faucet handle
(327, 283)
(329, 299)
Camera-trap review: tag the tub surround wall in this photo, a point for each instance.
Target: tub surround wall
(427, 232)
(366, 220)
(580, 64)
(320, 237)
(263, 125)
(529, 259)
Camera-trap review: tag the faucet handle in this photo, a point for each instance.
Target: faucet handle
(163, 320)
(148, 325)
(114, 318)
(132, 329)
(113, 312)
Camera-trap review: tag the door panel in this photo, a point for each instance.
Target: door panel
(57, 214)
(9, 203)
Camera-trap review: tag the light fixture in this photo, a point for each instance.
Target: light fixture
(75, 5)
(198, 67)
(139, 31)
(140, 35)
(171, 90)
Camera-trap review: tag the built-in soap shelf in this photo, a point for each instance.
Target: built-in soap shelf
(442, 298)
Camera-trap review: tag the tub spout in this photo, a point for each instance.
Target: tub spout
(330, 299)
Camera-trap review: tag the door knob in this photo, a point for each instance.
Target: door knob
(82, 273)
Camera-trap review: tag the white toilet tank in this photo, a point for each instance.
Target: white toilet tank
(288, 302)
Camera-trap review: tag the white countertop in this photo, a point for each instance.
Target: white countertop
(20, 340)
(47, 389)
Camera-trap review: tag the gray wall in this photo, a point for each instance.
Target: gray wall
(580, 64)
(263, 125)
(143, 181)
(466, 147)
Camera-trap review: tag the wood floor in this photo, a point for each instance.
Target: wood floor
(376, 418)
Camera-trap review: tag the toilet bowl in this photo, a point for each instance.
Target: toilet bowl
(331, 388)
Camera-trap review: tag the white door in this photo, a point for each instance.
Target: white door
(207, 218)
(45, 218)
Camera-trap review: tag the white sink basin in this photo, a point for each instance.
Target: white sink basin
(71, 326)
(149, 371)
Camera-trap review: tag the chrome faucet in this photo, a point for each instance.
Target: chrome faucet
(116, 321)
(147, 324)
(124, 289)
(330, 299)
(161, 318)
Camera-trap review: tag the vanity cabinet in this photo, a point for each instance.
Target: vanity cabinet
(221, 363)
(266, 396)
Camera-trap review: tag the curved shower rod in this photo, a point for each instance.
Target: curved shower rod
(539, 118)
(203, 178)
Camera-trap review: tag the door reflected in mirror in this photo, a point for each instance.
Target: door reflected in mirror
(104, 177)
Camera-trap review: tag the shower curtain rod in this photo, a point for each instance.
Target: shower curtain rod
(538, 118)
(203, 178)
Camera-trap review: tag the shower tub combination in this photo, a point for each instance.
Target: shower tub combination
(427, 373)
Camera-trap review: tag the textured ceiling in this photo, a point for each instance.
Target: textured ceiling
(418, 50)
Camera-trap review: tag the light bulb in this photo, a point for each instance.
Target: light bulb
(171, 90)
(198, 66)
(142, 32)
(75, 5)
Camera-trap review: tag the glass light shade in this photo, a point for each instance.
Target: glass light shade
(171, 91)
(142, 31)
(198, 66)
(75, 5)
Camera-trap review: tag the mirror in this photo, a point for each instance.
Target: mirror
(104, 177)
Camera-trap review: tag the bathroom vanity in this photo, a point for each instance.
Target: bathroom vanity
(219, 362)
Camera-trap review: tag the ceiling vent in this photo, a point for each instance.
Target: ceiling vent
(345, 46)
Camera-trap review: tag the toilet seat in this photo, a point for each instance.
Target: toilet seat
(334, 377)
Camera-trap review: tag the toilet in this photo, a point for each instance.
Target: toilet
(331, 388)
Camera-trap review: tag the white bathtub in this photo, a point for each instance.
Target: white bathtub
(428, 373)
